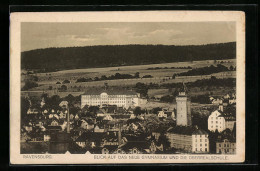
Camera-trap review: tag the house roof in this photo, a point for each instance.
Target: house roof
(140, 145)
(90, 136)
(187, 130)
(110, 92)
(53, 127)
(111, 147)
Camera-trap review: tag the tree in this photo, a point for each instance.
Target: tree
(25, 104)
(164, 141)
(137, 75)
(63, 88)
(66, 81)
(156, 110)
(29, 85)
(231, 68)
(138, 111)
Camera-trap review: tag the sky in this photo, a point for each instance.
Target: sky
(38, 35)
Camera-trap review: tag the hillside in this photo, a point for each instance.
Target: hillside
(53, 59)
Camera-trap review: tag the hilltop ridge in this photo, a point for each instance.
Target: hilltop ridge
(54, 59)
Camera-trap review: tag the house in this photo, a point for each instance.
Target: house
(188, 139)
(217, 101)
(137, 147)
(46, 136)
(227, 96)
(165, 114)
(218, 120)
(90, 139)
(232, 101)
(87, 124)
(63, 104)
(99, 128)
(226, 146)
(108, 118)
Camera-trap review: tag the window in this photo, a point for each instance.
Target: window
(201, 145)
(219, 145)
(196, 149)
(224, 145)
(200, 140)
(206, 149)
(205, 140)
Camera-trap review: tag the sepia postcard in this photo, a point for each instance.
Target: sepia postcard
(127, 87)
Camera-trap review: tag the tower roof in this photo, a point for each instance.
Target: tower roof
(183, 90)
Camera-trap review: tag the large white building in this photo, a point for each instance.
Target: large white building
(120, 98)
(220, 121)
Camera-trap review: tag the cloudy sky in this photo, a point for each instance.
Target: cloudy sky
(44, 35)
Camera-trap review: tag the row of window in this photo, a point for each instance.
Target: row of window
(226, 145)
(206, 149)
(201, 145)
(200, 136)
(201, 140)
(216, 126)
(216, 122)
(226, 150)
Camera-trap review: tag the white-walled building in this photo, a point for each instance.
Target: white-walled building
(188, 139)
(220, 121)
(200, 142)
(216, 121)
(120, 98)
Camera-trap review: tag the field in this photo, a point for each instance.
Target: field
(160, 76)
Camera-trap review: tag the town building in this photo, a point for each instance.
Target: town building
(226, 146)
(120, 98)
(220, 121)
(165, 114)
(183, 115)
(188, 139)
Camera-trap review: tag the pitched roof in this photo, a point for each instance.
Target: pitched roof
(187, 130)
(110, 92)
(140, 145)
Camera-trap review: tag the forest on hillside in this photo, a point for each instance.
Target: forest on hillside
(54, 59)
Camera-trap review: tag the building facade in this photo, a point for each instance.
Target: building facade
(188, 139)
(220, 121)
(216, 121)
(121, 98)
(226, 147)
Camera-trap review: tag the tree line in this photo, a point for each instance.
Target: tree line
(116, 76)
(53, 59)
(205, 70)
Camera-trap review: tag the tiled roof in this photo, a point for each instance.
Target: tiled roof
(110, 92)
(140, 145)
(186, 130)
